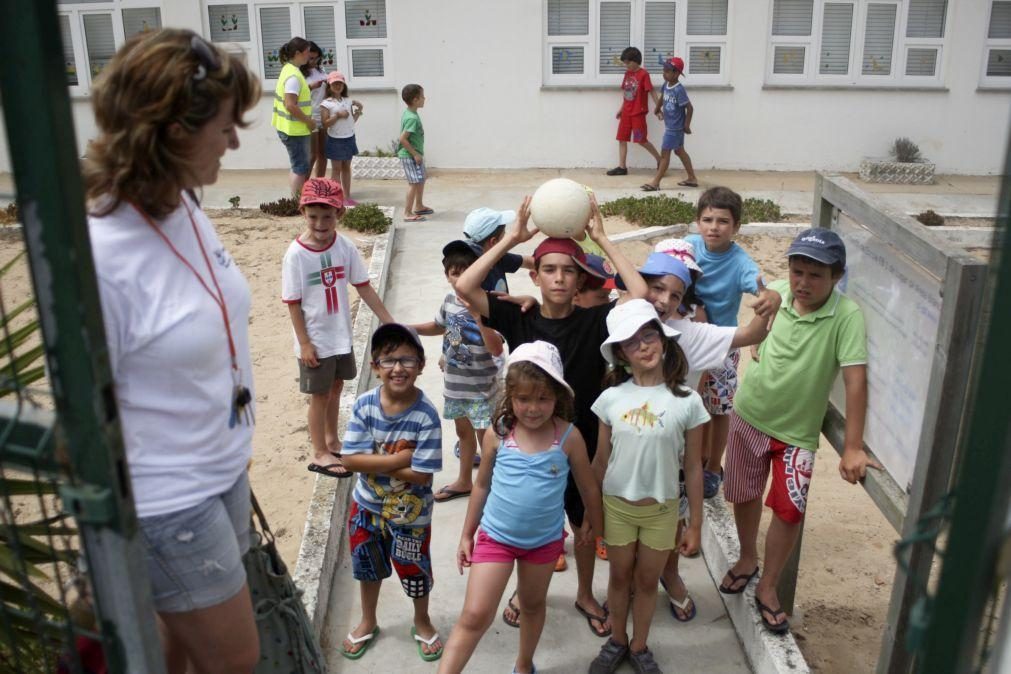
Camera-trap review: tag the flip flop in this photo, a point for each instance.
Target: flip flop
(427, 657)
(590, 618)
(680, 605)
(775, 628)
(688, 183)
(649, 188)
(456, 453)
(367, 638)
(415, 218)
(450, 494)
(734, 579)
(424, 211)
(515, 609)
(330, 470)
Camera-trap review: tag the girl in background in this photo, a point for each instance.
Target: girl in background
(518, 499)
(315, 77)
(339, 114)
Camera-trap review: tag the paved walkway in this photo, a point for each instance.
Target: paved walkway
(707, 644)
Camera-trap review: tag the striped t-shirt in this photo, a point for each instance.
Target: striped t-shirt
(470, 369)
(371, 431)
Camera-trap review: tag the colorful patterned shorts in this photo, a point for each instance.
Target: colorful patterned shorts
(750, 455)
(720, 384)
(378, 547)
(478, 411)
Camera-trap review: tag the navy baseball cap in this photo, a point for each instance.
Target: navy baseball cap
(387, 330)
(821, 245)
(461, 247)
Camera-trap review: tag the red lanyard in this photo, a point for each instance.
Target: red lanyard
(218, 298)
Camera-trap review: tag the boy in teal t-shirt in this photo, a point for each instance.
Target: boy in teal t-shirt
(779, 408)
(412, 153)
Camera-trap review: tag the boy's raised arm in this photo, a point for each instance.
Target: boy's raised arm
(468, 286)
(626, 270)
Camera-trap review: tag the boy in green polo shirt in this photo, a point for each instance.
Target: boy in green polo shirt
(779, 409)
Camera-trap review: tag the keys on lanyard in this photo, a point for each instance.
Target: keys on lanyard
(241, 408)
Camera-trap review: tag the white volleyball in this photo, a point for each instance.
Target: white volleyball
(560, 208)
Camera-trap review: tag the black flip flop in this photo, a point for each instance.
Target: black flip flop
(590, 618)
(329, 470)
(514, 608)
(734, 578)
(775, 628)
(450, 494)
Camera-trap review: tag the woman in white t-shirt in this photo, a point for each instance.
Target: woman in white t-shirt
(338, 114)
(315, 77)
(176, 314)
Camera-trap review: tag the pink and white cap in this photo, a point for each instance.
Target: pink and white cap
(682, 250)
(544, 356)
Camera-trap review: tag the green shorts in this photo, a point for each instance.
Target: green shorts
(655, 525)
(319, 379)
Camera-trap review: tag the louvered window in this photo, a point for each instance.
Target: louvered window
(275, 32)
(69, 59)
(707, 17)
(997, 60)
(568, 37)
(658, 33)
(321, 29)
(615, 35)
(99, 40)
(228, 23)
(857, 42)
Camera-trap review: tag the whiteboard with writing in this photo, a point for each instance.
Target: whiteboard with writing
(901, 303)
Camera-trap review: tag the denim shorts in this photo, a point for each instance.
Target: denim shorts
(673, 140)
(341, 149)
(298, 152)
(194, 556)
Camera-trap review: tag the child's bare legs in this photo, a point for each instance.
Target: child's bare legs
(423, 626)
(317, 159)
(687, 162)
(621, 566)
(532, 591)
(638, 570)
(648, 146)
(421, 193)
(345, 178)
(413, 199)
(661, 169)
(369, 590)
(622, 154)
(333, 408)
(485, 585)
(470, 439)
(319, 404)
(719, 428)
(747, 516)
(779, 542)
(671, 576)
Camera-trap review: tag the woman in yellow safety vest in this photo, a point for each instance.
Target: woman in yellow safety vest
(293, 110)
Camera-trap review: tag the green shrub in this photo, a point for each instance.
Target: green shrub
(905, 150)
(9, 215)
(234, 201)
(284, 207)
(931, 219)
(760, 210)
(394, 146)
(650, 211)
(367, 218)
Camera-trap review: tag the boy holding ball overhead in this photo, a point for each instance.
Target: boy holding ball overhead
(560, 270)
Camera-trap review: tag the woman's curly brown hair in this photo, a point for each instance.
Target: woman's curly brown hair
(148, 86)
(525, 374)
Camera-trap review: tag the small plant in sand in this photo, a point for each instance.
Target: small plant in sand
(367, 218)
(234, 201)
(9, 215)
(650, 211)
(905, 151)
(284, 207)
(930, 218)
(760, 210)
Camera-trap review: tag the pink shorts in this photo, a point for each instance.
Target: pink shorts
(487, 549)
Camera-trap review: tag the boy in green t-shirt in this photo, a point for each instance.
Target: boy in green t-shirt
(412, 153)
(779, 408)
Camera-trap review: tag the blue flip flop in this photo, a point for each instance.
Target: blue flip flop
(680, 605)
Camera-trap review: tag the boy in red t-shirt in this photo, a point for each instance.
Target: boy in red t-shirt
(636, 89)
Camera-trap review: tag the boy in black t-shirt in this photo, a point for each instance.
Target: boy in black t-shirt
(559, 271)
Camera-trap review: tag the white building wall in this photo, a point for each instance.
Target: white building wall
(480, 64)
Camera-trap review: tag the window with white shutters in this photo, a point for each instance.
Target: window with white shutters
(228, 23)
(92, 30)
(857, 42)
(320, 27)
(583, 39)
(275, 32)
(997, 55)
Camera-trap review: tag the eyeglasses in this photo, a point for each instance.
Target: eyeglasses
(646, 337)
(209, 60)
(408, 363)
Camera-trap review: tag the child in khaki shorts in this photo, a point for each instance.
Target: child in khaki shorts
(315, 274)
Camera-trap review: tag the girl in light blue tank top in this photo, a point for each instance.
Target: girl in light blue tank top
(516, 512)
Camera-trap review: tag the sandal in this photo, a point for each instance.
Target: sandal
(734, 579)
(414, 218)
(336, 470)
(775, 628)
(649, 188)
(427, 657)
(680, 605)
(367, 638)
(590, 618)
(688, 183)
(510, 606)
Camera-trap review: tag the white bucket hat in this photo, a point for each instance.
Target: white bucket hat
(544, 356)
(625, 320)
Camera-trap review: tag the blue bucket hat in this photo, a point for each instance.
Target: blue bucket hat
(661, 264)
(482, 223)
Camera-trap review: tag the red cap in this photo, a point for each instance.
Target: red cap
(565, 247)
(322, 191)
(676, 63)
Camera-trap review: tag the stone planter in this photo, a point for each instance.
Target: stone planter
(377, 168)
(875, 170)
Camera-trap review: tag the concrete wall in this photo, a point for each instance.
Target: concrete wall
(487, 109)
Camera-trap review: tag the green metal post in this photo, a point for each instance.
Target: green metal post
(40, 131)
(983, 481)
